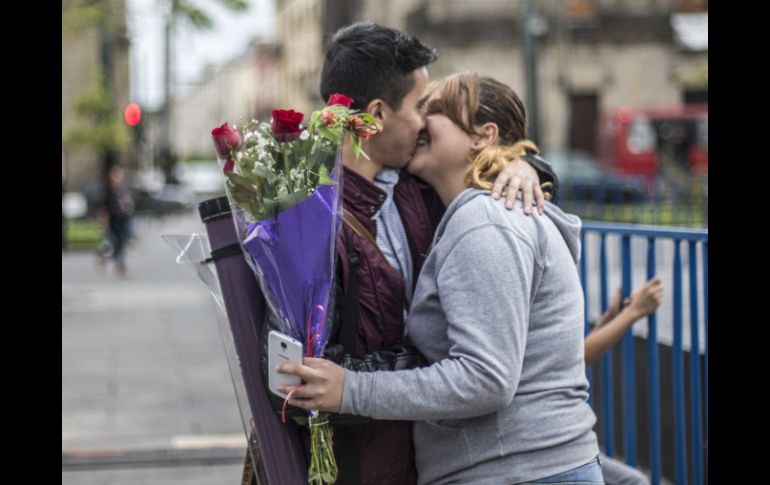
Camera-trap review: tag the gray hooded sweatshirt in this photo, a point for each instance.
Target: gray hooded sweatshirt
(498, 311)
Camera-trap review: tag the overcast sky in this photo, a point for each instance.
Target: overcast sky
(228, 39)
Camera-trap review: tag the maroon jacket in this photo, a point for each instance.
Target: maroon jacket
(387, 454)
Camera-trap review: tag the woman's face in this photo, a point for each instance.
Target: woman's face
(443, 148)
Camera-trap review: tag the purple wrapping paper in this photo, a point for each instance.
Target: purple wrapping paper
(282, 455)
(294, 254)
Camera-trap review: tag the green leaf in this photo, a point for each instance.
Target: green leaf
(291, 200)
(331, 135)
(366, 117)
(321, 154)
(242, 182)
(268, 207)
(255, 180)
(323, 176)
(356, 146)
(243, 197)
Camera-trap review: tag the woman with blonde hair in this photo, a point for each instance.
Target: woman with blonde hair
(497, 311)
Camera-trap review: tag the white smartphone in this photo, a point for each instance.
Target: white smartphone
(282, 348)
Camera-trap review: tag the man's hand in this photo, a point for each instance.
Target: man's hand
(519, 175)
(323, 385)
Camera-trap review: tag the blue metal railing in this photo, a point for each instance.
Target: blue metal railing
(680, 453)
(653, 387)
(697, 420)
(607, 411)
(629, 377)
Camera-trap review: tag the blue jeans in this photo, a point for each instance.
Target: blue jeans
(588, 474)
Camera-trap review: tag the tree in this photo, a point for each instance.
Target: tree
(99, 127)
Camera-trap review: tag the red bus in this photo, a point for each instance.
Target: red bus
(649, 142)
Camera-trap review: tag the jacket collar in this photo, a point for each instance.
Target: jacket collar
(361, 196)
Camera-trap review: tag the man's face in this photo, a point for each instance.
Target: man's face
(394, 145)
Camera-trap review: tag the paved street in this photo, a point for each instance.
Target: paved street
(144, 376)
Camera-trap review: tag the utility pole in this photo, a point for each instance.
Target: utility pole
(106, 58)
(164, 149)
(533, 27)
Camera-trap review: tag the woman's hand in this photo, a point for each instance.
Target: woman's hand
(519, 175)
(323, 385)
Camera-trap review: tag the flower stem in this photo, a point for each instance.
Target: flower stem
(286, 168)
(323, 466)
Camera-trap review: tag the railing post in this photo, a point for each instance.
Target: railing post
(654, 376)
(680, 452)
(628, 383)
(607, 386)
(697, 444)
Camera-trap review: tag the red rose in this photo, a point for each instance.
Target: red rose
(286, 124)
(229, 165)
(340, 99)
(225, 139)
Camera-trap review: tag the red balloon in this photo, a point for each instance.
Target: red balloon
(132, 114)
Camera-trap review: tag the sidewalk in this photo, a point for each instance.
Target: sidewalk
(144, 376)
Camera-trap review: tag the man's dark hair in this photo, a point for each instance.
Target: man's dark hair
(365, 61)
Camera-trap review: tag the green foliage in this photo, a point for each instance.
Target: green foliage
(100, 126)
(79, 16)
(83, 234)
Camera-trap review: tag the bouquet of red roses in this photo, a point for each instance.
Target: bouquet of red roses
(283, 181)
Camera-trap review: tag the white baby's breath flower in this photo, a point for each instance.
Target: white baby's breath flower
(251, 137)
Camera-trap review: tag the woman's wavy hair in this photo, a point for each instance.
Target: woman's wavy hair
(470, 100)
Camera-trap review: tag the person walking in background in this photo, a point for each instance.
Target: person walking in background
(116, 219)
